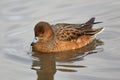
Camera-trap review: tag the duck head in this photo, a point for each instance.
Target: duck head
(43, 33)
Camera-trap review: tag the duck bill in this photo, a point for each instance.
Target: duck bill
(35, 40)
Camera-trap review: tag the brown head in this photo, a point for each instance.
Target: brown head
(43, 33)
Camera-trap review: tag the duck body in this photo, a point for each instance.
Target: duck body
(63, 36)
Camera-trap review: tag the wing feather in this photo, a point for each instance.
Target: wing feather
(71, 32)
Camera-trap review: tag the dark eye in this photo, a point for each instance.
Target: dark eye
(41, 30)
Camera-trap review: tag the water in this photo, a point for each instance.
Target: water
(17, 20)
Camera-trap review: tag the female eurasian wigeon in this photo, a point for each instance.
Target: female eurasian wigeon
(62, 36)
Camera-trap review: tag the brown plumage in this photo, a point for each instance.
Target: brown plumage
(62, 36)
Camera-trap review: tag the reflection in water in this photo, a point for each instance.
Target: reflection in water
(45, 64)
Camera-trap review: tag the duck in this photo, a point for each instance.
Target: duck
(63, 36)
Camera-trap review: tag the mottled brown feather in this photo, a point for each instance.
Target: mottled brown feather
(62, 36)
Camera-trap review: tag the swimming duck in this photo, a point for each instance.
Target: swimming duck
(63, 36)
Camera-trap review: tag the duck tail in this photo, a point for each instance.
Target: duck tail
(97, 22)
(89, 24)
(94, 32)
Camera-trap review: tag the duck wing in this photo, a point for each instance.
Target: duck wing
(71, 32)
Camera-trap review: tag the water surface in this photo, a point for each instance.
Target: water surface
(98, 61)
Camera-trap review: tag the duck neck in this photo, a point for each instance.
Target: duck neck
(49, 34)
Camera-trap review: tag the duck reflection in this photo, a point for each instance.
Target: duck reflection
(45, 63)
(44, 66)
